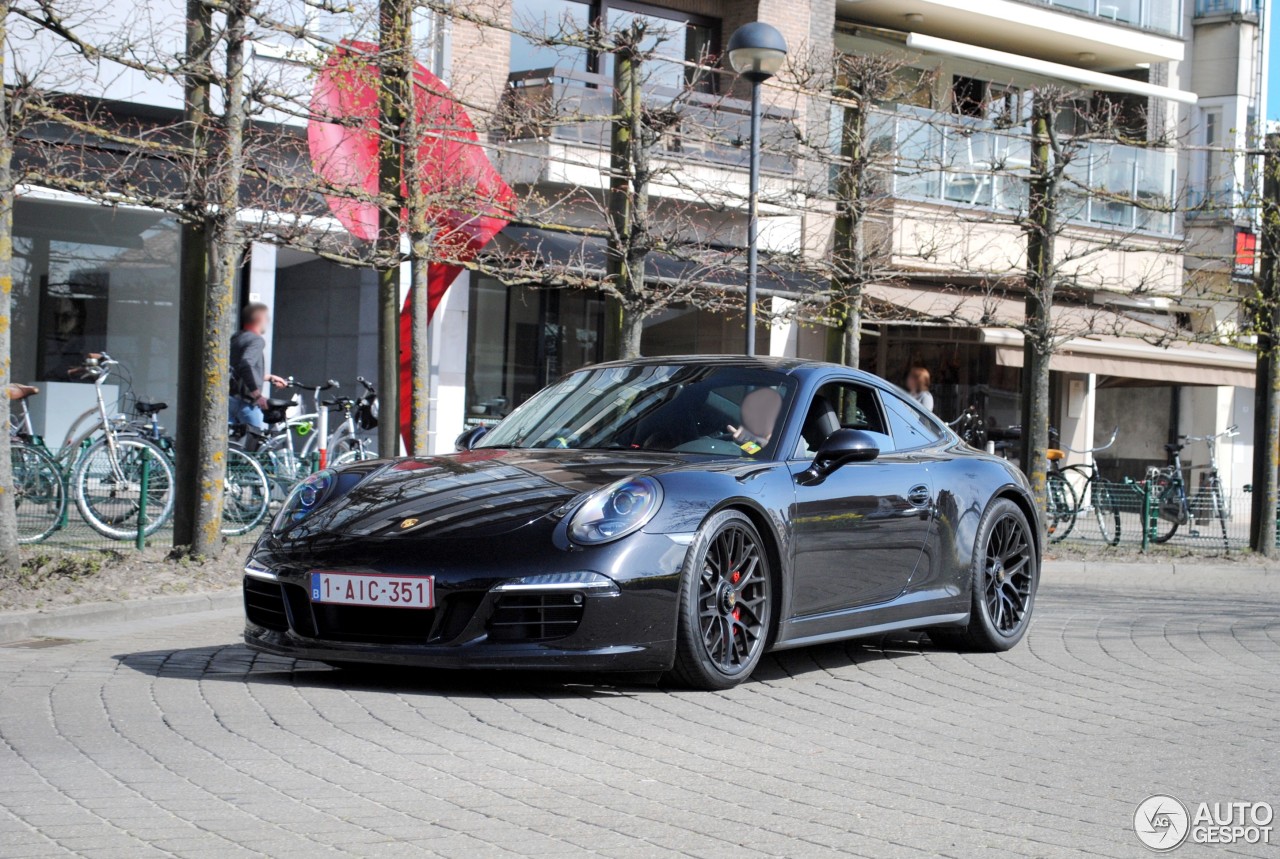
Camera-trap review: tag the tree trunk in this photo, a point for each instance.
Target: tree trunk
(193, 280)
(394, 22)
(628, 204)
(1037, 327)
(10, 561)
(420, 332)
(220, 305)
(1266, 319)
(850, 232)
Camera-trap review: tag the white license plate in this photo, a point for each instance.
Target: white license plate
(379, 590)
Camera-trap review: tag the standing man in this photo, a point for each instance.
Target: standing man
(249, 374)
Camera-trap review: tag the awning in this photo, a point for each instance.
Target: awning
(576, 255)
(1107, 343)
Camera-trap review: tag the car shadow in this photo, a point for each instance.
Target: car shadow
(236, 663)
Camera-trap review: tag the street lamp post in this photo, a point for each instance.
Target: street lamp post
(756, 51)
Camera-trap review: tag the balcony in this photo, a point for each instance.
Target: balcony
(955, 160)
(1161, 16)
(1102, 35)
(1215, 8)
(569, 107)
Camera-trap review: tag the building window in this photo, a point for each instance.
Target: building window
(677, 38)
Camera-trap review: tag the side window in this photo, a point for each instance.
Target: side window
(911, 427)
(842, 405)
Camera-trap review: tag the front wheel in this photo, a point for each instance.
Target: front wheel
(246, 494)
(1106, 510)
(108, 487)
(1060, 511)
(1169, 496)
(726, 604)
(1006, 574)
(39, 496)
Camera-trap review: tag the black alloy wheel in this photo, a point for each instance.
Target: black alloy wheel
(1006, 572)
(725, 605)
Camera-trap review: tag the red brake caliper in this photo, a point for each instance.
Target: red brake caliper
(737, 612)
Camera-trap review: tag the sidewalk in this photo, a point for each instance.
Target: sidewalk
(65, 620)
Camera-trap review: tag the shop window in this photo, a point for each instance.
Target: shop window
(91, 279)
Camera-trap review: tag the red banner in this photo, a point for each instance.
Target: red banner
(467, 199)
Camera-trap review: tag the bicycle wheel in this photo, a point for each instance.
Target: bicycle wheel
(1060, 512)
(1106, 510)
(39, 495)
(246, 494)
(348, 451)
(108, 487)
(1167, 495)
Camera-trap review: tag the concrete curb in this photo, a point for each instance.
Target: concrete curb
(20, 625)
(1168, 568)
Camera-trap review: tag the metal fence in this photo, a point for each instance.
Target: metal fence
(1132, 509)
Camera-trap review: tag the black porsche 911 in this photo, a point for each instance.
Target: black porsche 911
(678, 515)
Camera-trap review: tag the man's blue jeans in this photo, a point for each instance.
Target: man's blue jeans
(245, 412)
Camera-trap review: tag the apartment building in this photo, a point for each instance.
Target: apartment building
(1190, 74)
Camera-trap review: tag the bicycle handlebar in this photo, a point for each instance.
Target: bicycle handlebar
(294, 383)
(1114, 433)
(366, 384)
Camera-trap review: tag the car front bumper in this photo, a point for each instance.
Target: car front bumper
(610, 623)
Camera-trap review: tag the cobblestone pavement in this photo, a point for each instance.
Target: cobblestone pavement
(170, 738)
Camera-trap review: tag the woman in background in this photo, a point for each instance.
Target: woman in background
(918, 386)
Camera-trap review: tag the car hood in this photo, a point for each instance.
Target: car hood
(484, 492)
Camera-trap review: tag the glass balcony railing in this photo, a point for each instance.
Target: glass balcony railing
(1163, 16)
(567, 106)
(1207, 8)
(965, 161)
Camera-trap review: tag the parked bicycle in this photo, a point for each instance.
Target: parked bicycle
(109, 470)
(246, 492)
(296, 446)
(1173, 506)
(39, 491)
(1078, 488)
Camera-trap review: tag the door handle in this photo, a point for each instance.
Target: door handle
(918, 495)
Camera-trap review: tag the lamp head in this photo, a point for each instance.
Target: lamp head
(756, 51)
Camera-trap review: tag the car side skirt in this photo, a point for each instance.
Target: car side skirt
(951, 619)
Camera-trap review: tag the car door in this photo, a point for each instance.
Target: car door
(858, 534)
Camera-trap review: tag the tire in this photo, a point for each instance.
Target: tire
(246, 494)
(1002, 600)
(1060, 512)
(726, 604)
(1163, 487)
(39, 495)
(1106, 511)
(108, 501)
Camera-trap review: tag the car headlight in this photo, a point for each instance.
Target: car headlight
(305, 498)
(615, 510)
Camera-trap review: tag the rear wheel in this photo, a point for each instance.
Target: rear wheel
(1006, 573)
(1060, 512)
(726, 604)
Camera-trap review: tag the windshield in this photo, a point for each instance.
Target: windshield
(723, 411)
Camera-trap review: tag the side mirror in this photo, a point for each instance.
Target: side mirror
(468, 438)
(841, 447)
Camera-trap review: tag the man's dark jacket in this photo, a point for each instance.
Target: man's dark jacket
(248, 368)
